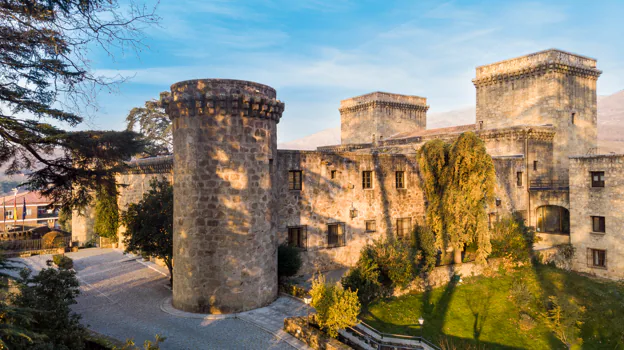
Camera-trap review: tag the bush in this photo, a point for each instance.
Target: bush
(53, 239)
(292, 289)
(395, 261)
(510, 238)
(63, 262)
(364, 278)
(336, 308)
(424, 243)
(288, 260)
(106, 213)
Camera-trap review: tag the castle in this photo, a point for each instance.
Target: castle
(237, 196)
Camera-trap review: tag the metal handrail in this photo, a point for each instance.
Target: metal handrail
(400, 336)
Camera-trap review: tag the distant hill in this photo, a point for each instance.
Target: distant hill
(610, 126)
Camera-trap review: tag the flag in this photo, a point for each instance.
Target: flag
(15, 207)
(24, 209)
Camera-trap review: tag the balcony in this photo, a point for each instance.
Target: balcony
(549, 185)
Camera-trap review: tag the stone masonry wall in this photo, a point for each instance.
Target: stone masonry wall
(543, 88)
(380, 115)
(324, 200)
(587, 201)
(224, 136)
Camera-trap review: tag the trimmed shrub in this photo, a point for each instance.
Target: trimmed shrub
(63, 262)
(288, 260)
(53, 239)
(336, 308)
(364, 278)
(292, 289)
(511, 239)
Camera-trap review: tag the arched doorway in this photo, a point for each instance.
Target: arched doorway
(553, 219)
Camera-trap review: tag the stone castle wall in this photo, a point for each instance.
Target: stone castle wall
(543, 88)
(324, 200)
(224, 246)
(380, 115)
(608, 201)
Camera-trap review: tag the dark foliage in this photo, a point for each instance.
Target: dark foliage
(47, 296)
(63, 262)
(153, 123)
(425, 245)
(46, 82)
(149, 223)
(106, 213)
(288, 260)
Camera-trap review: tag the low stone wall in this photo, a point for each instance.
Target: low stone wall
(300, 329)
(442, 275)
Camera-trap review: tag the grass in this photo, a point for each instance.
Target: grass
(509, 311)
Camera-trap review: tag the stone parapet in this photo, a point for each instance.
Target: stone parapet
(537, 63)
(153, 165)
(222, 97)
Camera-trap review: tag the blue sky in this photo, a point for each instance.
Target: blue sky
(316, 53)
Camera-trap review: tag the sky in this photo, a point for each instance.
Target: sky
(316, 53)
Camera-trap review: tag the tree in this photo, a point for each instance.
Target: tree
(288, 260)
(149, 223)
(106, 213)
(154, 124)
(65, 219)
(470, 188)
(46, 84)
(433, 159)
(336, 308)
(48, 296)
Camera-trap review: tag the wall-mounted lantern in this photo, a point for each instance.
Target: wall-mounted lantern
(498, 202)
(353, 212)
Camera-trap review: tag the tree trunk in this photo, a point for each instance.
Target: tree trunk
(170, 267)
(457, 256)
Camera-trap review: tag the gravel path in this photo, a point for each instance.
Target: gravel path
(124, 298)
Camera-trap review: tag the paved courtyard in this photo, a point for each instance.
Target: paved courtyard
(124, 298)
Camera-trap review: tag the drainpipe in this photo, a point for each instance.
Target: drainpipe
(526, 161)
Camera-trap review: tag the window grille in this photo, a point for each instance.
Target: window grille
(597, 258)
(404, 228)
(298, 236)
(371, 226)
(367, 179)
(294, 180)
(597, 179)
(400, 179)
(336, 235)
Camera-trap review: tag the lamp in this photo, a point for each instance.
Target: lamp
(353, 212)
(308, 300)
(421, 321)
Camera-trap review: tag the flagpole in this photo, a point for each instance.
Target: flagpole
(23, 214)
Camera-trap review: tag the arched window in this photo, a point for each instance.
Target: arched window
(553, 219)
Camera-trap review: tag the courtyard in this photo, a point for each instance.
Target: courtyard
(124, 298)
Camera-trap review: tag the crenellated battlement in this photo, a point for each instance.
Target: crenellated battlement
(379, 98)
(222, 97)
(538, 63)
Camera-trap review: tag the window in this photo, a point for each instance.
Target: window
(519, 179)
(598, 258)
(333, 174)
(28, 211)
(335, 235)
(294, 180)
(480, 124)
(297, 236)
(598, 224)
(535, 165)
(597, 179)
(553, 219)
(371, 226)
(9, 214)
(367, 179)
(404, 228)
(572, 117)
(400, 179)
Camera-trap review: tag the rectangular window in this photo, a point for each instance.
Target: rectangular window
(400, 179)
(404, 228)
(598, 224)
(597, 179)
(294, 180)
(367, 179)
(598, 257)
(371, 226)
(333, 174)
(519, 176)
(9, 214)
(28, 211)
(572, 117)
(297, 236)
(535, 165)
(336, 235)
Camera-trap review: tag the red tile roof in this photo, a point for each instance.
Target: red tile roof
(30, 196)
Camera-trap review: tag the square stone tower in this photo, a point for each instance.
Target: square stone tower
(550, 87)
(380, 115)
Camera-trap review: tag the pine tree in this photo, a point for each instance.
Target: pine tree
(470, 188)
(47, 85)
(154, 124)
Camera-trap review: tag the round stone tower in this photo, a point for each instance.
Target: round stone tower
(224, 244)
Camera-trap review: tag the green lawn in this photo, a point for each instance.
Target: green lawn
(507, 311)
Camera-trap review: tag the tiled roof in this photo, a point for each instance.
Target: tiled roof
(429, 132)
(30, 196)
